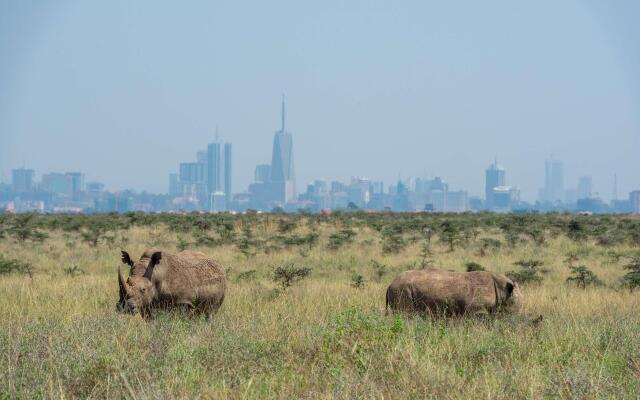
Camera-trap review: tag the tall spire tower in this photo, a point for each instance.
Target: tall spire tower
(282, 173)
(614, 195)
(282, 114)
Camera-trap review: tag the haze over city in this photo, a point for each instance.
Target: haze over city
(124, 92)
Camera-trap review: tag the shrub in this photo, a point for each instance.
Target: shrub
(92, 234)
(379, 270)
(632, 278)
(286, 225)
(392, 240)
(12, 265)
(532, 264)
(426, 256)
(246, 242)
(357, 281)
(182, 244)
(73, 270)
(247, 275)
(529, 272)
(288, 274)
(23, 228)
(449, 234)
(339, 239)
(473, 266)
(576, 230)
(583, 277)
(490, 243)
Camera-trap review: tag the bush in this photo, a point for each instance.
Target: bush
(449, 234)
(392, 240)
(288, 274)
(632, 278)
(426, 256)
(576, 230)
(358, 281)
(379, 270)
(529, 272)
(583, 277)
(23, 228)
(182, 244)
(247, 275)
(246, 242)
(474, 266)
(12, 265)
(339, 239)
(73, 270)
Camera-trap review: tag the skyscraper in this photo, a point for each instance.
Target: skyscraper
(634, 199)
(214, 170)
(494, 177)
(227, 173)
(262, 173)
(77, 183)
(22, 180)
(585, 187)
(282, 172)
(553, 181)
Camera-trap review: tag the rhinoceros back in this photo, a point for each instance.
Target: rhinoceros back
(193, 277)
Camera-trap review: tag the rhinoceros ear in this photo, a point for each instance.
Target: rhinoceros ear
(126, 259)
(155, 259)
(509, 289)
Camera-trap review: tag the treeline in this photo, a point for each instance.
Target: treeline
(224, 228)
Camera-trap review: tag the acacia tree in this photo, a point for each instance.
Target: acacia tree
(449, 234)
(632, 278)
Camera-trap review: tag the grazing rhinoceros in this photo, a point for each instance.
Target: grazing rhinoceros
(159, 279)
(440, 292)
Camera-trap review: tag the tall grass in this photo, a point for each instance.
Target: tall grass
(60, 336)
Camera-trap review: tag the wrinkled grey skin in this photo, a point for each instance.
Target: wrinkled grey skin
(440, 292)
(161, 280)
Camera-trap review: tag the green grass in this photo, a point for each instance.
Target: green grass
(320, 338)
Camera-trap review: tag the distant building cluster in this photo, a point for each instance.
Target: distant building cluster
(406, 195)
(206, 184)
(59, 193)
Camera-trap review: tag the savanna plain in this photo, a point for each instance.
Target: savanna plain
(304, 312)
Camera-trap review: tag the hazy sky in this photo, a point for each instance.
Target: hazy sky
(124, 91)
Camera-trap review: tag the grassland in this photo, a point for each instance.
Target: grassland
(323, 337)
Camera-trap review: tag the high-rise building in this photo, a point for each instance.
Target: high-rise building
(218, 170)
(55, 182)
(282, 175)
(173, 185)
(262, 173)
(457, 201)
(494, 177)
(214, 168)
(634, 199)
(22, 180)
(227, 173)
(553, 181)
(585, 187)
(505, 198)
(77, 183)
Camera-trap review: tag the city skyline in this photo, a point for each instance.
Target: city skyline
(205, 185)
(375, 89)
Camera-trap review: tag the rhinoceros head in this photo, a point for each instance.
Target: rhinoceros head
(508, 293)
(137, 292)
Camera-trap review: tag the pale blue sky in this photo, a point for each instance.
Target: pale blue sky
(123, 90)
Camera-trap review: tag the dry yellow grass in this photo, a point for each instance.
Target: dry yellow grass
(60, 336)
